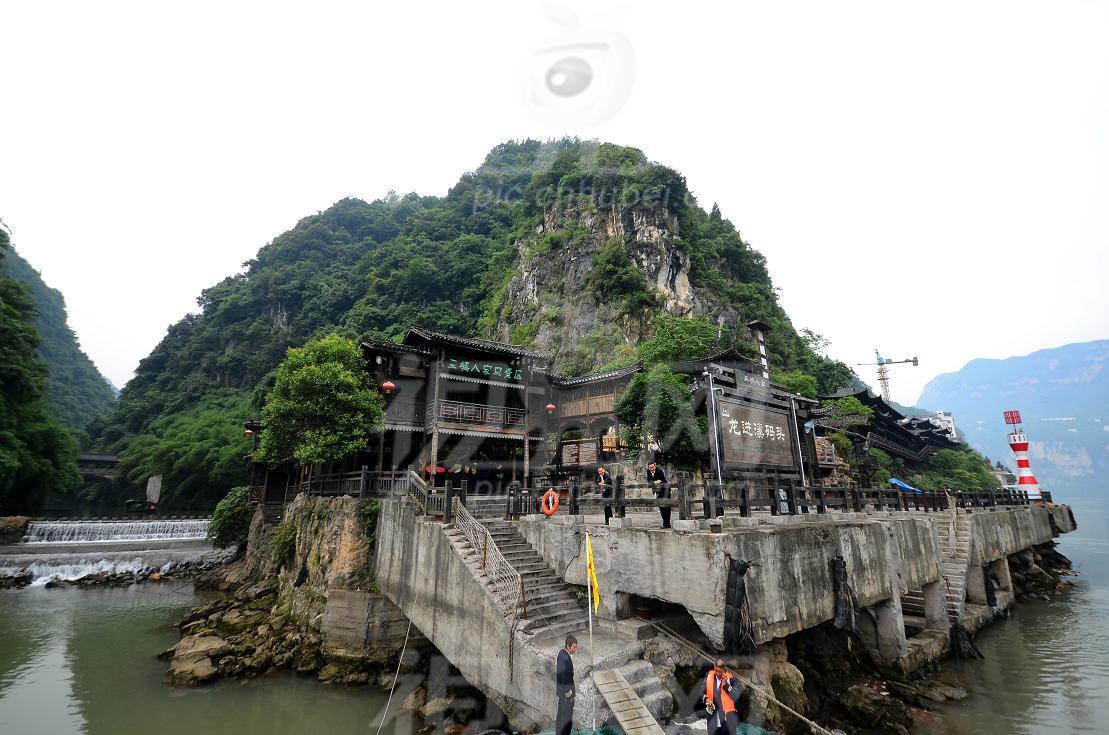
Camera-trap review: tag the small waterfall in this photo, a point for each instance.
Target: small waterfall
(45, 572)
(69, 532)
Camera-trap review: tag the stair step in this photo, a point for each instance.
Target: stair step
(636, 670)
(559, 629)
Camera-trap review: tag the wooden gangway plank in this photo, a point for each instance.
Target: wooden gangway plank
(631, 713)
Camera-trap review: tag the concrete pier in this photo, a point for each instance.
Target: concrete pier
(912, 574)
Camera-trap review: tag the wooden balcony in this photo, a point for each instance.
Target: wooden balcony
(480, 415)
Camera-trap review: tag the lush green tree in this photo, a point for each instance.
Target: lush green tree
(656, 410)
(323, 404)
(678, 338)
(76, 390)
(797, 382)
(614, 276)
(231, 518)
(37, 453)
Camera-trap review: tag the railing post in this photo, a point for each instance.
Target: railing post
(485, 549)
(619, 497)
(574, 493)
(448, 496)
(683, 499)
(791, 499)
(711, 488)
(362, 482)
(821, 503)
(462, 491)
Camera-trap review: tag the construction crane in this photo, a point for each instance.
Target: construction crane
(883, 370)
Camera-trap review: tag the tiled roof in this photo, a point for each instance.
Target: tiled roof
(375, 344)
(479, 344)
(606, 375)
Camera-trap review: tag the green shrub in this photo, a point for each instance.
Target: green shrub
(231, 519)
(283, 543)
(369, 517)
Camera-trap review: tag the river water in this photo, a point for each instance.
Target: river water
(83, 661)
(1046, 670)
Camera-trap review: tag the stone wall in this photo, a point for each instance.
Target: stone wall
(887, 555)
(1001, 532)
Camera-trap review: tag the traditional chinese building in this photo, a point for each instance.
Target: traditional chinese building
(492, 413)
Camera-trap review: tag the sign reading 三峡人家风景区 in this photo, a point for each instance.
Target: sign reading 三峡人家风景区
(478, 369)
(754, 435)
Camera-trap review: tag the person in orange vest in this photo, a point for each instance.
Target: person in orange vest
(721, 691)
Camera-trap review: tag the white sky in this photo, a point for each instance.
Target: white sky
(928, 178)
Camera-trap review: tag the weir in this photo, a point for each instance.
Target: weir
(72, 532)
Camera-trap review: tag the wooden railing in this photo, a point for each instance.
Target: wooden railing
(710, 500)
(363, 483)
(460, 412)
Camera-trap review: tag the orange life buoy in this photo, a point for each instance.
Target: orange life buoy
(550, 502)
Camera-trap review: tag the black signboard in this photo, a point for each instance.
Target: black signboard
(581, 453)
(481, 369)
(755, 435)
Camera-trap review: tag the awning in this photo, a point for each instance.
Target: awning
(483, 381)
(904, 486)
(402, 427)
(489, 434)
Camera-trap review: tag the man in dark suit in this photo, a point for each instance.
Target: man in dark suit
(564, 687)
(605, 485)
(656, 478)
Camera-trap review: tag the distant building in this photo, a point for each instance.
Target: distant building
(945, 421)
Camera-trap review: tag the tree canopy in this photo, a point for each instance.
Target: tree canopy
(37, 453)
(323, 405)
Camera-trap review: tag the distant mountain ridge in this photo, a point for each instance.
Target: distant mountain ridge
(1063, 396)
(76, 389)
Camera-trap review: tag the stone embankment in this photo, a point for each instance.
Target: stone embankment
(317, 612)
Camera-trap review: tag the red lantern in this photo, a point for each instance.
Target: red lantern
(388, 386)
(551, 407)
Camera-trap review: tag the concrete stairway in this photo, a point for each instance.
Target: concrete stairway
(955, 551)
(554, 609)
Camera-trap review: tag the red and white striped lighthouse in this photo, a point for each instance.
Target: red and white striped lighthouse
(1018, 442)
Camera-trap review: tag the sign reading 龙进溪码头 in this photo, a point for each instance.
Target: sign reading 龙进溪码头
(478, 369)
(753, 435)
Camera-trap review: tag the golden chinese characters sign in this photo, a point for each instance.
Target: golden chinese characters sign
(754, 435)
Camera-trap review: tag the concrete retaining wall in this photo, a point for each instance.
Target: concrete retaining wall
(887, 555)
(998, 533)
(419, 571)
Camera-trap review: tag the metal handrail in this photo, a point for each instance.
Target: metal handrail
(508, 585)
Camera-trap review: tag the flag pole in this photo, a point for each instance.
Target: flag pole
(589, 604)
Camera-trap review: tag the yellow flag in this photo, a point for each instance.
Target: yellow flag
(592, 573)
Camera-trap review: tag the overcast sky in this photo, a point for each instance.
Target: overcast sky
(927, 178)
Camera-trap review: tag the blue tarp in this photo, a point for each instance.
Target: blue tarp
(904, 486)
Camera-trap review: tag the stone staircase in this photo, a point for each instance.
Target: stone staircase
(554, 609)
(955, 551)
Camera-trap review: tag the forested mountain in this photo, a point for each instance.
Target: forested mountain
(76, 389)
(37, 453)
(1063, 396)
(571, 247)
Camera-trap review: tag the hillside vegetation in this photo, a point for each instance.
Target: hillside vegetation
(75, 388)
(572, 247)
